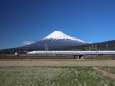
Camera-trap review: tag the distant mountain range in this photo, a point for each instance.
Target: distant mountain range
(108, 45)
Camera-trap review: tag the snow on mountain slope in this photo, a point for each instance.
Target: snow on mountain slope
(60, 35)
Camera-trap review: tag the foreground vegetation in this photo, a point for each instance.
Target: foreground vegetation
(51, 76)
(109, 69)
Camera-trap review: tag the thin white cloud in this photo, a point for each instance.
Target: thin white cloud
(27, 42)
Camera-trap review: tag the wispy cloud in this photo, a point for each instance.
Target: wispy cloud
(27, 42)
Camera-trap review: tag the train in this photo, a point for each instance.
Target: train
(76, 54)
(72, 52)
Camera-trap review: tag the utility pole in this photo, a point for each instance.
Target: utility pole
(46, 47)
(106, 46)
(1, 52)
(96, 47)
(93, 47)
(89, 48)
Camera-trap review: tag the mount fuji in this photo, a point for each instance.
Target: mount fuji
(55, 40)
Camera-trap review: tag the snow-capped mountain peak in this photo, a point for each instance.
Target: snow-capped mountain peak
(60, 35)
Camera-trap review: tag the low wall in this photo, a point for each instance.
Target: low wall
(99, 57)
(25, 56)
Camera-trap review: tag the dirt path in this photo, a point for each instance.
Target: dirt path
(104, 73)
(109, 63)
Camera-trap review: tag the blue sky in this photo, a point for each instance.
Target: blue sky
(32, 20)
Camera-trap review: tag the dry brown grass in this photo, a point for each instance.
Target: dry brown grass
(57, 63)
(104, 73)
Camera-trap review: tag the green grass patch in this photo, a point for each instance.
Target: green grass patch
(51, 76)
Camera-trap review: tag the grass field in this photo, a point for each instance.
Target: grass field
(56, 72)
(52, 76)
(109, 69)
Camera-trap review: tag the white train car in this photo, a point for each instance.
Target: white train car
(72, 52)
(76, 54)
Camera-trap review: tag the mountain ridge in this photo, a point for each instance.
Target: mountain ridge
(106, 45)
